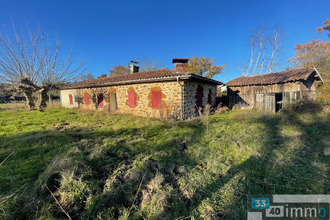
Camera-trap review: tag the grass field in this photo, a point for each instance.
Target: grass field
(93, 165)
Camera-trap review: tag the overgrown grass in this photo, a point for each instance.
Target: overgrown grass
(101, 166)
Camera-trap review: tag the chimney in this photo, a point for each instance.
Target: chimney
(133, 69)
(180, 64)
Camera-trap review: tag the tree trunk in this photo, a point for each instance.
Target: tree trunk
(50, 100)
(29, 98)
(42, 96)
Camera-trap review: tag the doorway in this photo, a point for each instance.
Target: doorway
(112, 102)
(278, 101)
(199, 99)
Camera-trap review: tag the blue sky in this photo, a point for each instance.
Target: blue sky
(108, 33)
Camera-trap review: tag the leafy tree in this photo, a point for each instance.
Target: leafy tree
(325, 27)
(315, 53)
(102, 75)
(118, 70)
(204, 66)
(32, 63)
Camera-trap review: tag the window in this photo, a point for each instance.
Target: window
(156, 99)
(71, 99)
(131, 99)
(260, 97)
(298, 95)
(100, 99)
(86, 99)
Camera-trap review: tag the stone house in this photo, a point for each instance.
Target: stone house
(159, 93)
(274, 91)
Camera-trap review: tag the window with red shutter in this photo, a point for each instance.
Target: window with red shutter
(156, 99)
(100, 99)
(131, 99)
(71, 99)
(86, 99)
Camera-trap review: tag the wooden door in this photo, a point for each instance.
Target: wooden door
(259, 97)
(100, 99)
(112, 102)
(270, 103)
(199, 96)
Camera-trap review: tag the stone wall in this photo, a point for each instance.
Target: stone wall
(170, 99)
(190, 108)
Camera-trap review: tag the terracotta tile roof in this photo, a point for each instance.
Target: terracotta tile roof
(272, 78)
(140, 77)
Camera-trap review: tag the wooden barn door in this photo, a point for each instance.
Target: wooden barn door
(270, 103)
(112, 102)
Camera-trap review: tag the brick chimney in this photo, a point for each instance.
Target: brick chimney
(180, 64)
(133, 69)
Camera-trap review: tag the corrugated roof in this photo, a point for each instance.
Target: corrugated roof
(139, 77)
(273, 78)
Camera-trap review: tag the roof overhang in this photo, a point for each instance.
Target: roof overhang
(204, 79)
(318, 74)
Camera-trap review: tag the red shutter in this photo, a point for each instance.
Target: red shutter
(86, 99)
(156, 99)
(71, 99)
(100, 99)
(131, 99)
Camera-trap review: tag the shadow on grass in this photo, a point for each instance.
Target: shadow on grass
(100, 153)
(127, 167)
(289, 162)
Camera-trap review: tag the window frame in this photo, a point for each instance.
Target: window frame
(100, 103)
(156, 99)
(131, 99)
(86, 98)
(71, 99)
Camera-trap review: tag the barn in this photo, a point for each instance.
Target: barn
(274, 91)
(161, 93)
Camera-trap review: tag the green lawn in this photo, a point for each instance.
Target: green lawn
(101, 166)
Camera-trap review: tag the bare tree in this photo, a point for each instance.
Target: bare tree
(149, 65)
(32, 63)
(84, 77)
(265, 48)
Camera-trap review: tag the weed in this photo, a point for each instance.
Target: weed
(101, 166)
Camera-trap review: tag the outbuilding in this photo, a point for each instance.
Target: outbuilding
(162, 93)
(274, 91)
